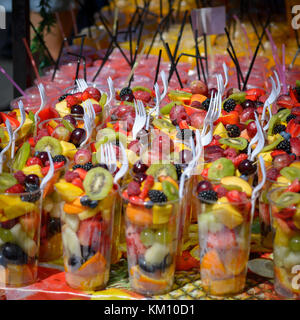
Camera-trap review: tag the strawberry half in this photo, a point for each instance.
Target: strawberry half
(89, 233)
(221, 240)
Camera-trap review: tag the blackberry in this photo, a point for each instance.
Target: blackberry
(32, 197)
(157, 196)
(279, 128)
(178, 170)
(208, 196)
(285, 146)
(205, 104)
(60, 158)
(63, 97)
(185, 134)
(126, 94)
(233, 130)
(290, 117)
(77, 166)
(229, 105)
(88, 166)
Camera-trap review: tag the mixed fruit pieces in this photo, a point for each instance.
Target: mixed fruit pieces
(286, 226)
(19, 228)
(151, 212)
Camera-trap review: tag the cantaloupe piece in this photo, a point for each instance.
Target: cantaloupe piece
(139, 215)
(212, 266)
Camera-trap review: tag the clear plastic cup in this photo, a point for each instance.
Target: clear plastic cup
(151, 237)
(19, 238)
(224, 240)
(286, 241)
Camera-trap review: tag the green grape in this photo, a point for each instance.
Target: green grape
(295, 243)
(147, 237)
(6, 235)
(163, 236)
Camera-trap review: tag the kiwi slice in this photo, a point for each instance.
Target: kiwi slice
(290, 173)
(7, 180)
(98, 183)
(21, 157)
(157, 170)
(274, 121)
(179, 93)
(236, 143)
(109, 135)
(168, 107)
(163, 124)
(221, 168)
(288, 199)
(170, 190)
(273, 145)
(283, 114)
(103, 100)
(141, 88)
(49, 144)
(68, 125)
(238, 97)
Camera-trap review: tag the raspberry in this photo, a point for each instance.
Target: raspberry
(133, 189)
(20, 176)
(221, 191)
(33, 161)
(71, 175)
(17, 188)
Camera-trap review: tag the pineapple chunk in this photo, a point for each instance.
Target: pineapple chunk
(35, 169)
(14, 207)
(161, 214)
(227, 214)
(69, 149)
(68, 191)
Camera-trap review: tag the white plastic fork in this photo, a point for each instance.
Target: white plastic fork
(14, 136)
(120, 174)
(155, 108)
(49, 175)
(43, 103)
(165, 85)
(256, 190)
(108, 157)
(140, 118)
(10, 135)
(259, 138)
(225, 68)
(81, 84)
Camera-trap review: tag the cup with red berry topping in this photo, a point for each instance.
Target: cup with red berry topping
(87, 224)
(285, 220)
(151, 210)
(20, 201)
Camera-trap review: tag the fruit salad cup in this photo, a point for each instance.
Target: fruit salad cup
(286, 241)
(224, 224)
(87, 223)
(19, 229)
(151, 212)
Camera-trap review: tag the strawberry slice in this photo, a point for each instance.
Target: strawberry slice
(134, 245)
(295, 146)
(241, 157)
(81, 172)
(78, 183)
(17, 188)
(238, 108)
(276, 153)
(33, 161)
(221, 240)
(295, 186)
(285, 213)
(293, 128)
(73, 100)
(229, 118)
(57, 165)
(89, 233)
(256, 92)
(236, 196)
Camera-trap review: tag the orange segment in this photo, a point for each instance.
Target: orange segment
(198, 97)
(94, 265)
(235, 261)
(212, 266)
(71, 209)
(139, 215)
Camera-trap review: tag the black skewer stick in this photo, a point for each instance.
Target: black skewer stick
(41, 40)
(234, 54)
(254, 28)
(58, 59)
(130, 43)
(256, 51)
(138, 43)
(166, 45)
(131, 23)
(237, 70)
(160, 8)
(198, 51)
(157, 67)
(113, 39)
(80, 57)
(105, 59)
(297, 37)
(180, 34)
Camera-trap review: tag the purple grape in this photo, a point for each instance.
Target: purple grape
(77, 109)
(140, 177)
(43, 156)
(247, 167)
(248, 104)
(185, 156)
(139, 167)
(32, 182)
(71, 119)
(78, 136)
(204, 185)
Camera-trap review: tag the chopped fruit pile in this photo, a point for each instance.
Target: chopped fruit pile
(151, 212)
